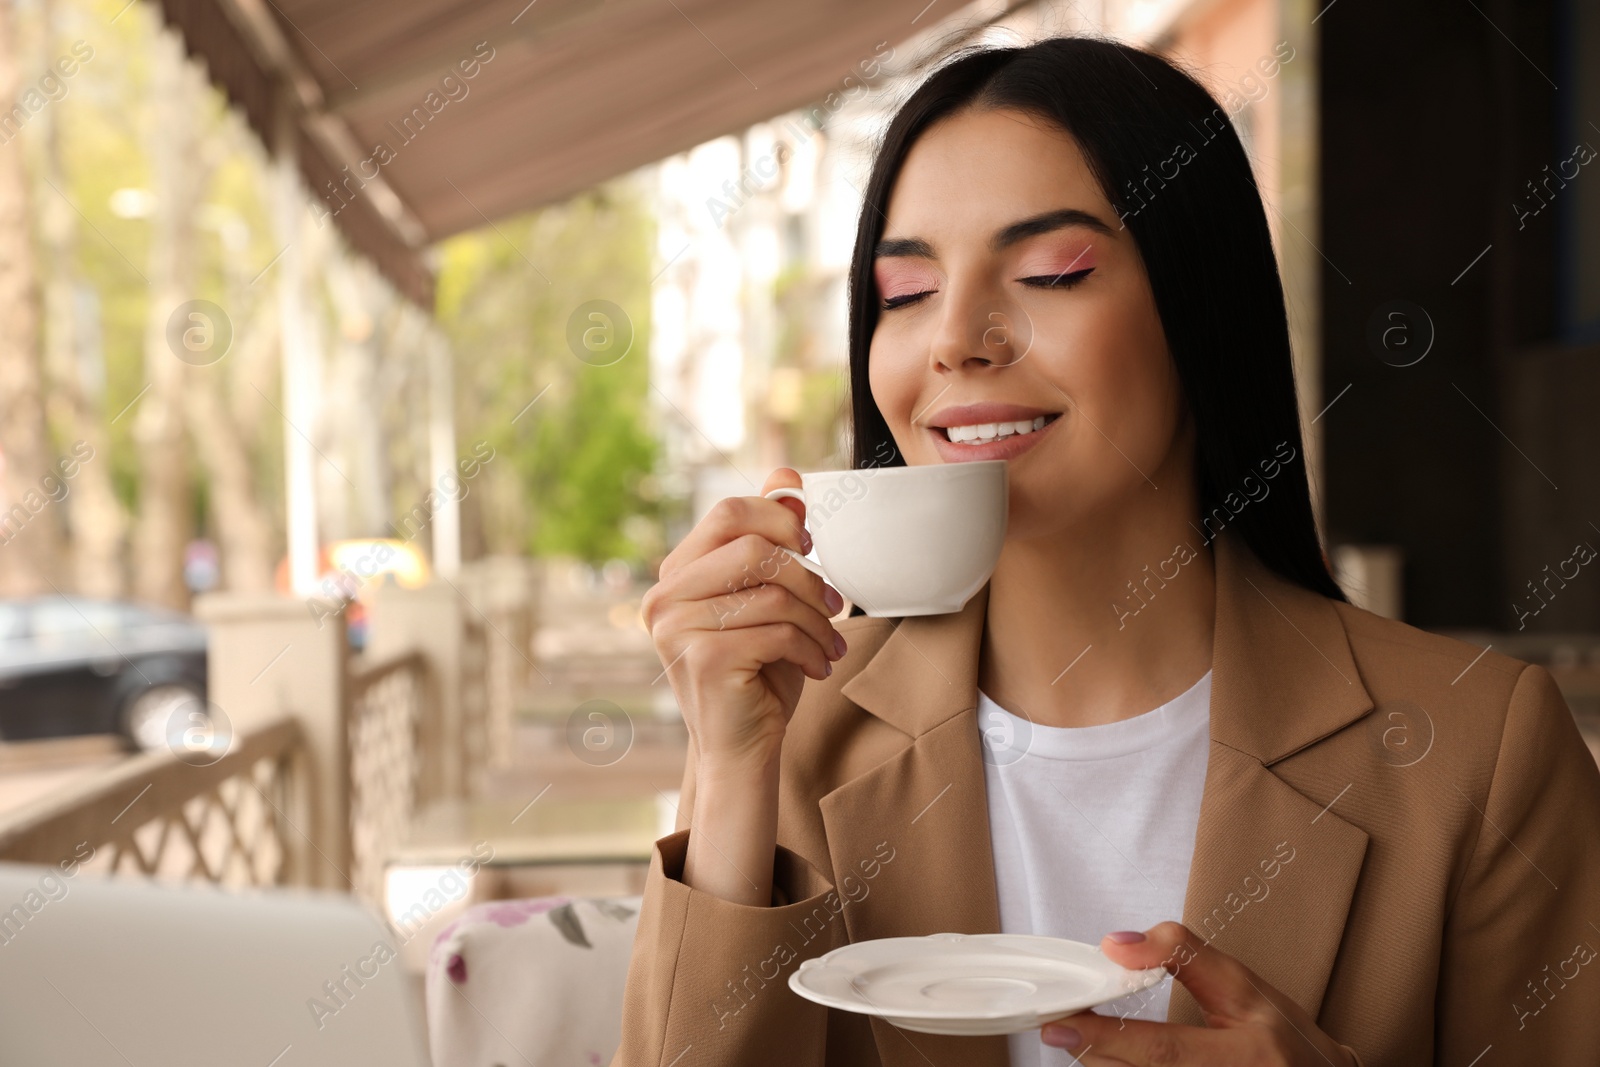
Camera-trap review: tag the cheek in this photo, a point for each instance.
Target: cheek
(891, 378)
(1125, 380)
(1148, 384)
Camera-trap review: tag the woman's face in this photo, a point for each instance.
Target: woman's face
(1005, 281)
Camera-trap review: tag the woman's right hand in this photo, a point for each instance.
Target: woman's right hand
(740, 624)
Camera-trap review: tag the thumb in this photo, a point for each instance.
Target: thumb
(786, 478)
(1225, 989)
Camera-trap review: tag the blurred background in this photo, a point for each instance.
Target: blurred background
(360, 362)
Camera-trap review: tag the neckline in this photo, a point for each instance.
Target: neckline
(1008, 734)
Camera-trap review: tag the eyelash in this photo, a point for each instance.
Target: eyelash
(1041, 281)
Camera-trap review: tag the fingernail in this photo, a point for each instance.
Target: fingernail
(805, 540)
(831, 597)
(828, 671)
(1126, 937)
(839, 647)
(1062, 1037)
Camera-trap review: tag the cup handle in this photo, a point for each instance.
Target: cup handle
(786, 493)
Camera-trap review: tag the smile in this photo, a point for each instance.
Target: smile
(978, 432)
(961, 440)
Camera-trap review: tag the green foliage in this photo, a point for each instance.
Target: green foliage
(571, 471)
(103, 122)
(507, 297)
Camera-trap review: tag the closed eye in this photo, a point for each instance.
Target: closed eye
(907, 298)
(1064, 280)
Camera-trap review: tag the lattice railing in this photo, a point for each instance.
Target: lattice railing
(234, 822)
(388, 734)
(503, 594)
(475, 659)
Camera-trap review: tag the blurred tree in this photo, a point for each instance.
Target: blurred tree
(237, 504)
(571, 471)
(165, 519)
(152, 196)
(811, 430)
(218, 416)
(29, 524)
(224, 406)
(97, 523)
(360, 300)
(401, 401)
(106, 166)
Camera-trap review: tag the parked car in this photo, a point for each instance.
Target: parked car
(74, 665)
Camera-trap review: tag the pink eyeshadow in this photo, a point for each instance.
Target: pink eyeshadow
(1058, 261)
(903, 276)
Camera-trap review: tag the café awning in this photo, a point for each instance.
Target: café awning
(413, 120)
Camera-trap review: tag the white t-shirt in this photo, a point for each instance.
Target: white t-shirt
(1093, 829)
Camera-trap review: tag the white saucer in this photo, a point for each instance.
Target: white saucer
(967, 983)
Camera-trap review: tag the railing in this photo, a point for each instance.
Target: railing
(475, 691)
(388, 736)
(502, 599)
(234, 822)
(326, 787)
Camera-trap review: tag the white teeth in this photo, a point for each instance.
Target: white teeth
(990, 431)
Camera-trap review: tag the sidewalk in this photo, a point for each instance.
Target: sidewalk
(596, 757)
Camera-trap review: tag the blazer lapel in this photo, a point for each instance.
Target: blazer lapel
(928, 805)
(1273, 870)
(1282, 679)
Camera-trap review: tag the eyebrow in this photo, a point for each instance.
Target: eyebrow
(1017, 231)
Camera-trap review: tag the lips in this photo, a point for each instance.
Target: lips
(1007, 447)
(988, 411)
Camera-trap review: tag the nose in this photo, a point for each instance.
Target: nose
(978, 329)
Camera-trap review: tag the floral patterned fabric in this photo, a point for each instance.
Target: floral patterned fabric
(514, 982)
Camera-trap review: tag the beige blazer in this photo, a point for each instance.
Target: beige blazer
(1398, 830)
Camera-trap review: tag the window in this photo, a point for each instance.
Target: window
(1578, 267)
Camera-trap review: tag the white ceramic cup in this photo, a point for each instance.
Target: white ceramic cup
(897, 541)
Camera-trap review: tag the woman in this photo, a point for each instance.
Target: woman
(1160, 726)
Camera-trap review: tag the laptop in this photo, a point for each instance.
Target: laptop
(106, 972)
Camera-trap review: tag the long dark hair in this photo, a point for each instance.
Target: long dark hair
(1203, 236)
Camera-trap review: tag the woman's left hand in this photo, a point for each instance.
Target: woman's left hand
(1247, 1021)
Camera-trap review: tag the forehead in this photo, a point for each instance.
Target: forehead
(978, 170)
